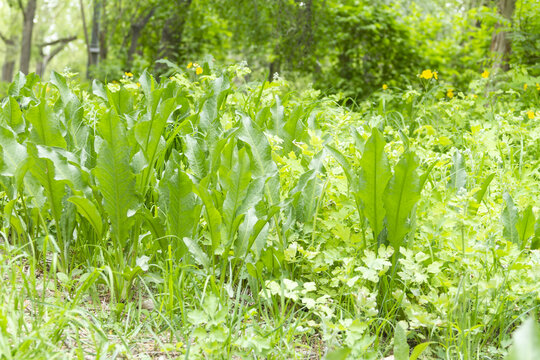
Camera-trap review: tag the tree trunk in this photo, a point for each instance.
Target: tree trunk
(136, 29)
(7, 70)
(28, 27)
(93, 51)
(8, 66)
(172, 33)
(500, 42)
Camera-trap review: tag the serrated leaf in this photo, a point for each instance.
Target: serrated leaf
(89, 211)
(479, 195)
(13, 153)
(197, 252)
(401, 195)
(235, 182)
(18, 83)
(375, 173)
(183, 210)
(458, 175)
(45, 129)
(212, 214)
(260, 151)
(197, 158)
(509, 219)
(401, 348)
(43, 170)
(525, 226)
(116, 181)
(11, 114)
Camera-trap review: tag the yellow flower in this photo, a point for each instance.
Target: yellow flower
(199, 71)
(385, 87)
(525, 86)
(537, 86)
(530, 114)
(436, 75)
(189, 65)
(128, 74)
(450, 93)
(138, 84)
(485, 74)
(426, 74)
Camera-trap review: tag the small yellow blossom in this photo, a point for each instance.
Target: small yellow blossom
(426, 74)
(138, 84)
(537, 86)
(530, 114)
(436, 75)
(128, 74)
(450, 93)
(485, 74)
(385, 87)
(199, 71)
(525, 86)
(189, 65)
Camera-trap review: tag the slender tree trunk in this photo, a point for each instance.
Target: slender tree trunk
(501, 46)
(8, 66)
(94, 50)
(28, 27)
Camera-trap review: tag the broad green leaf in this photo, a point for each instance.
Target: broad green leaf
(18, 83)
(65, 93)
(235, 182)
(526, 341)
(419, 349)
(352, 178)
(196, 155)
(401, 348)
(13, 153)
(525, 226)
(375, 174)
(510, 218)
(277, 111)
(197, 252)
(338, 354)
(99, 90)
(11, 114)
(64, 169)
(479, 195)
(116, 181)
(401, 195)
(45, 129)
(73, 112)
(183, 210)
(212, 214)
(122, 100)
(43, 170)
(261, 153)
(458, 175)
(89, 211)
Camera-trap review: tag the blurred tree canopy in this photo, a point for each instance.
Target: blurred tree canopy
(346, 46)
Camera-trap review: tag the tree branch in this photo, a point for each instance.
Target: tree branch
(59, 41)
(7, 40)
(21, 6)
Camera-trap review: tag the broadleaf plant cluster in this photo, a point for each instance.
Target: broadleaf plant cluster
(227, 219)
